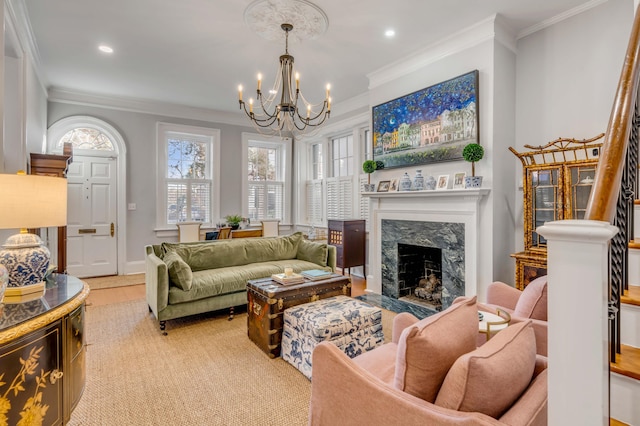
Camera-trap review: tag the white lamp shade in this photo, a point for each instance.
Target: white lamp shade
(31, 201)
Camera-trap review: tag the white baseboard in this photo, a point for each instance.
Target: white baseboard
(136, 267)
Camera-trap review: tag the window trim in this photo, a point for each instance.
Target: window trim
(285, 161)
(161, 169)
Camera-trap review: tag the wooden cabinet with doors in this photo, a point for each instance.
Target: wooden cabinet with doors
(349, 238)
(54, 165)
(557, 181)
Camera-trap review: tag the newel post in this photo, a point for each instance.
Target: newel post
(577, 266)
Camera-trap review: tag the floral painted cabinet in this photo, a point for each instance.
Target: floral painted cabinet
(31, 378)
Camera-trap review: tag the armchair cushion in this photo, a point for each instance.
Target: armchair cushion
(533, 300)
(491, 378)
(180, 273)
(428, 349)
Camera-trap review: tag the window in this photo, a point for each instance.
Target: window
(187, 174)
(86, 138)
(340, 185)
(266, 161)
(342, 156)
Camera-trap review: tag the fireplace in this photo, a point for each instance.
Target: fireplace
(423, 262)
(448, 220)
(420, 275)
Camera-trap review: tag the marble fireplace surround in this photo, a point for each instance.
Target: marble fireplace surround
(454, 206)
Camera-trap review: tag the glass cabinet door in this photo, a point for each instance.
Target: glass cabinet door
(580, 183)
(546, 202)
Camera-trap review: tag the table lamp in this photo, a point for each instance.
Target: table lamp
(29, 201)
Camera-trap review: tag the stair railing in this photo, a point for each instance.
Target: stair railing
(615, 184)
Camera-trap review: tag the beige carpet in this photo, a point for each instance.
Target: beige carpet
(205, 372)
(114, 281)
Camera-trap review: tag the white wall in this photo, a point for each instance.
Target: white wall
(139, 133)
(497, 130)
(566, 80)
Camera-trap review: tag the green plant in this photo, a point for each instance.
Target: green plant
(233, 219)
(369, 166)
(379, 165)
(473, 152)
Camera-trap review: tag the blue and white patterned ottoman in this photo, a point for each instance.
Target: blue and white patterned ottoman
(352, 325)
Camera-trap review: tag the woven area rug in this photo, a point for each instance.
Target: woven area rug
(204, 372)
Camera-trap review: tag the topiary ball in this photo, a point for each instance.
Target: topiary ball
(369, 166)
(379, 165)
(473, 152)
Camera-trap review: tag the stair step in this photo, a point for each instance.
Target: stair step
(628, 362)
(631, 296)
(614, 422)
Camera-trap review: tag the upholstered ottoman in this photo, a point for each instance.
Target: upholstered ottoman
(352, 325)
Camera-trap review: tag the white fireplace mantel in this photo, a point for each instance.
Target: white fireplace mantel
(447, 205)
(464, 193)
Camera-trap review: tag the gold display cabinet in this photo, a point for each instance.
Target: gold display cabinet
(557, 181)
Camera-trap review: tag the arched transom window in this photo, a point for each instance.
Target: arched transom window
(86, 138)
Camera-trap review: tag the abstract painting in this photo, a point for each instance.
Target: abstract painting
(427, 126)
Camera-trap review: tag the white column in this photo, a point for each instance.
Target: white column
(577, 268)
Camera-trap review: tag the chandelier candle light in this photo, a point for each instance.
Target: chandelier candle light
(285, 116)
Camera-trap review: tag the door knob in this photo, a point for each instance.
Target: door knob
(113, 229)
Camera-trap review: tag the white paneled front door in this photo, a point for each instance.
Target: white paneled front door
(91, 218)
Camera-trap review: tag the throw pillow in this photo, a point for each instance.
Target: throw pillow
(427, 349)
(533, 300)
(313, 252)
(179, 272)
(491, 378)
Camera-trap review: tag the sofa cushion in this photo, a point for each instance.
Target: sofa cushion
(179, 272)
(233, 279)
(313, 252)
(243, 251)
(533, 300)
(427, 349)
(491, 378)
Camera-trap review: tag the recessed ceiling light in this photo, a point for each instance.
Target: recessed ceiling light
(389, 33)
(104, 48)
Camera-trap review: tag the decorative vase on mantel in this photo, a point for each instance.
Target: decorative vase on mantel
(430, 183)
(405, 182)
(418, 181)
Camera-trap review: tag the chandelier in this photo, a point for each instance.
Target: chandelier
(293, 113)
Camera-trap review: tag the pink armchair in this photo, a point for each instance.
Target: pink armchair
(386, 386)
(522, 305)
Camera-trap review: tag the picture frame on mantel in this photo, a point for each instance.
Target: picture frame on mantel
(427, 126)
(443, 182)
(383, 186)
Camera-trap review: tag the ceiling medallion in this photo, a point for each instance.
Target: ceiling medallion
(265, 17)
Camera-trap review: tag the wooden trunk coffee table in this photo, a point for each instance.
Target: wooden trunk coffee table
(267, 300)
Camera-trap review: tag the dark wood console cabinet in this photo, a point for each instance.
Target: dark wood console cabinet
(349, 237)
(42, 352)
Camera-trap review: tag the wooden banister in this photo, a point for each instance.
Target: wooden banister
(604, 195)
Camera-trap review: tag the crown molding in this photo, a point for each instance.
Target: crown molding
(505, 34)
(560, 17)
(457, 42)
(146, 106)
(19, 19)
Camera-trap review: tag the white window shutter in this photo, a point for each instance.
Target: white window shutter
(314, 197)
(363, 201)
(346, 197)
(333, 199)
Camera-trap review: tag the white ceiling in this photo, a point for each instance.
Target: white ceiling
(196, 52)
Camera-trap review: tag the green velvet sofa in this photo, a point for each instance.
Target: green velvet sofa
(191, 278)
